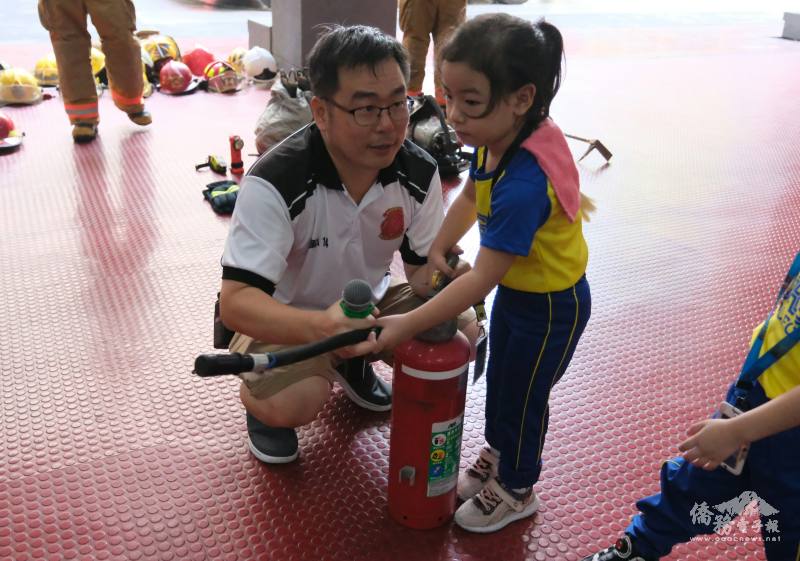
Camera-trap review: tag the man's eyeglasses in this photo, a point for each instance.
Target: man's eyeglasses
(370, 115)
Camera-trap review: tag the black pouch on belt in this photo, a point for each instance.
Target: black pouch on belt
(222, 335)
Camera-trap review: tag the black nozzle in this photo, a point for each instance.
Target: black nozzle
(217, 365)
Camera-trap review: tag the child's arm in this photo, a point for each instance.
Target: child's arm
(490, 267)
(713, 440)
(460, 217)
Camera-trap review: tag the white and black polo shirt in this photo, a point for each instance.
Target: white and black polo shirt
(298, 235)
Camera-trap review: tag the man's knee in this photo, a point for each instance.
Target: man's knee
(295, 405)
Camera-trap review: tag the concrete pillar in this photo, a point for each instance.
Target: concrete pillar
(294, 23)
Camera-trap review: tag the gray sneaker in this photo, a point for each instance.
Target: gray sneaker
(475, 478)
(271, 445)
(495, 507)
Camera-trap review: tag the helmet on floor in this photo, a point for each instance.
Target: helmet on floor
(176, 78)
(235, 59)
(147, 87)
(98, 61)
(260, 65)
(148, 75)
(161, 48)
(10, 137)
(222, 77)
(197, 59)
(18, 86)
(46, 71)
(148, 67)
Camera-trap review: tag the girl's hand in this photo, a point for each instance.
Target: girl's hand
(395, 330)
(710, 442)
(438, 262)
(438, 259)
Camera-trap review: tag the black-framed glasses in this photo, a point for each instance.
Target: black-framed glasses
(370, 115)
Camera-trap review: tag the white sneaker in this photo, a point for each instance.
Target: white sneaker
(471, 481)
(495, 507)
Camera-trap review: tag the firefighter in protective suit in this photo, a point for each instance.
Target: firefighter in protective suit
(419, 19)
(115, 21)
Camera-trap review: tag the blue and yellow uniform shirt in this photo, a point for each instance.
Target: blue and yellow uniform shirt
(521, 215)
(785, 373)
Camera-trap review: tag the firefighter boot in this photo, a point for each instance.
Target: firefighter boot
(83, 132)
(141, 118)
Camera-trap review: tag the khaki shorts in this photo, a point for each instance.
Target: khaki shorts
(399, 298)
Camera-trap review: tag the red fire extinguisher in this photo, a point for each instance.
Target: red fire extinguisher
(430, 387)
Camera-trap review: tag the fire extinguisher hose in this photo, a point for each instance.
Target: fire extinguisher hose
(237, 363)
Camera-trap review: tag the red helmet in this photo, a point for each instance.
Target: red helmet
(175, 77)
(10, 137)
(197, 59)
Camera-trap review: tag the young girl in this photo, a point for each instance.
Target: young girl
(500, 74)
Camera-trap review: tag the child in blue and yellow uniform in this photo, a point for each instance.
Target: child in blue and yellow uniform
(500, 74)
(768, 390)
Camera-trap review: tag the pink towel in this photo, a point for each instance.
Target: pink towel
(549, 146)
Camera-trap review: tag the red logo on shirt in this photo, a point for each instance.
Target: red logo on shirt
(393, 224)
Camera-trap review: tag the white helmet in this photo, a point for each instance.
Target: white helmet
(260, 65)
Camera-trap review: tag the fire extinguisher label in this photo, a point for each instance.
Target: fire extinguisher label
(445, 455)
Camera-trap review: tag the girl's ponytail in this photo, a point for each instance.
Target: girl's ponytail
(552, 47)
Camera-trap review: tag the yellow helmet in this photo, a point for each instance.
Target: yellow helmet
(236, 59)
(98, 60)
(161, 48)
(147, 74)
(148, 67)
(19, 86)
(46, 70)
(147, 87)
